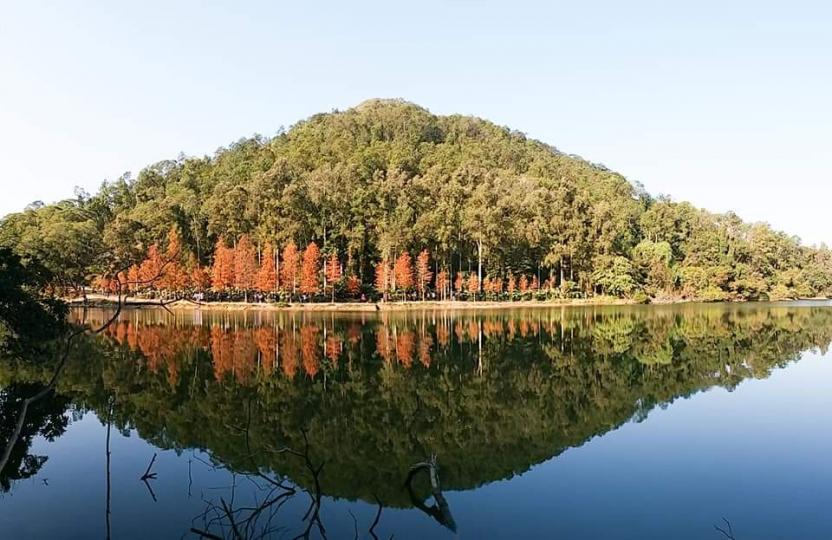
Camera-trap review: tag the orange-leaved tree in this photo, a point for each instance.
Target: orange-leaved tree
(459, 282)
(442, 283)
(175, 278)
(267, 275)
(473, 284)
(222, 272)
(310, 268)
(289, 268)
(403, 277)
(353, 285)
(152, 267)
(511, 285)
(423, 273)
(332, 273)
(245, 265)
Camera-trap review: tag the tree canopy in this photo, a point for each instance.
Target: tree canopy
(386, 178)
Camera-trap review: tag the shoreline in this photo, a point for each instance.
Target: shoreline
(101, 301)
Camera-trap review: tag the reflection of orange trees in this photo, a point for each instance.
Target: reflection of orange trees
(245, 355)
(333, 348)
(354, 333)
(383, 345)
(266, 341)
(405, 344)
(241, 352)
(222, 351)
(288, 353)
(309, 349)
(425, 343)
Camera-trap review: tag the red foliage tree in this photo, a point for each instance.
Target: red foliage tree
(152, 268)
(310, 269)
(473, 284)
(442, 283)
(459, 282)
(524, 284)
(133, 278)
(289, 268)
(200, 278)
(423, 273)
(511, 286)
(175, 277)
(403, 276)
(267, 275)
(353, 285)
(333, 273)
(222, 272)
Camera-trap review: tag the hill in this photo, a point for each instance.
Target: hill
(495, 211)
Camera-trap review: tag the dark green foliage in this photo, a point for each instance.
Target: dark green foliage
(27, 315)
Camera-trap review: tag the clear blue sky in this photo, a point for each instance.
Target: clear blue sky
(725, 104)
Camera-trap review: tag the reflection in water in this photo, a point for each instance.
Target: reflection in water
(385, 408)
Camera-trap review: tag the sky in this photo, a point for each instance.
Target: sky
(727, 105)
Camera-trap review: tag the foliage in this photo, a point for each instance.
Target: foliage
(387, 178)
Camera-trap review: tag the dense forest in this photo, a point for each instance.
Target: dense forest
(387, 199)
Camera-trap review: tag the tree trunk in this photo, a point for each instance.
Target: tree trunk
(479, 266)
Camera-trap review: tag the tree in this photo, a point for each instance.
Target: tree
(222, 271)
(353, 285)
(289, 268)
(245, 265)
(267, 275)
(175, 277)
(459, 283)
(423, 272)
(442, 283)
(152, 268)
(403, 277)
(473, 285)
(333, 273)
(310, 270)
(200, 278)
(382, 278)
(386, 175)
(615, 276)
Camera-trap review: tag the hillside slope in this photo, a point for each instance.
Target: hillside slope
(386, 177)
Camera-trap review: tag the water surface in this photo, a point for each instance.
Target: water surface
(624, 422)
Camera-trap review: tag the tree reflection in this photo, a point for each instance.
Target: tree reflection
(45, 418)
(492, 394)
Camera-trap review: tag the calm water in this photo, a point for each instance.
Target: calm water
(638, 422)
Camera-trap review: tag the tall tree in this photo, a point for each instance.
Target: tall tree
(382, 278)
(267, 274)
(423, 272)
(245, 265)
(152, 268)
(289, 268)
(333, 273)
(403, 276)
(222, 271)
(310, 270)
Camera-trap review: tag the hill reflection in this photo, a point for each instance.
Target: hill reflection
(489, 394)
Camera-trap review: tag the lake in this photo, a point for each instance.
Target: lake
(594, 422)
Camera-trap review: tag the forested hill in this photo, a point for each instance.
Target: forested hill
(491, 211)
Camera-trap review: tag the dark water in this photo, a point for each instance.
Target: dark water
(640, 422)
